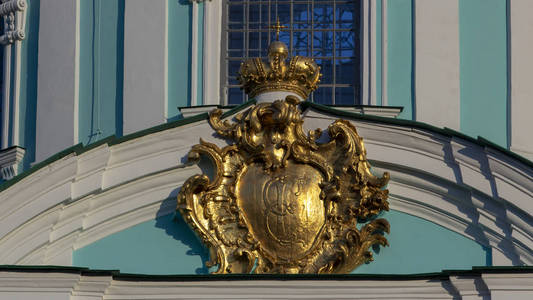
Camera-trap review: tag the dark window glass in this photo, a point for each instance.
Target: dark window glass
(327, 30)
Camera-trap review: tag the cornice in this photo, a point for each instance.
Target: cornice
(56, 282)
(86, 193)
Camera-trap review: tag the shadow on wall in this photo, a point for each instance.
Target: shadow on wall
(165, 245)
(176, 227)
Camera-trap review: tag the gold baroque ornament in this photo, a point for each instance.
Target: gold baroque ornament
(301, 76)
(279, 201)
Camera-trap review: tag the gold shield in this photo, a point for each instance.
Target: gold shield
(279, 201)
(282, 208)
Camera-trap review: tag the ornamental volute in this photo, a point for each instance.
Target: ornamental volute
(281, 202)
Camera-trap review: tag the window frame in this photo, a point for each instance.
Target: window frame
(213, 68)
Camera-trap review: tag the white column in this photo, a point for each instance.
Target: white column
(366, 50)
(437, 62)
(212, 36)
(5, 96)
(144, 64)
(57, 95)
(373, 52)
(194, 54)
(521, 83)
(384, 51)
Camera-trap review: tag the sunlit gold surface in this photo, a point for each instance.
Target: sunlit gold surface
(301, 75)
(282, 207)
(279, 201)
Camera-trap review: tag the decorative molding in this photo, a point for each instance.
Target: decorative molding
(14, 22)
(381, 111)
(10, 158)
(13, 13)
(81, 198)
(81, 283)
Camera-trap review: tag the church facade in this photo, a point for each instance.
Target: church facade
(103, 101)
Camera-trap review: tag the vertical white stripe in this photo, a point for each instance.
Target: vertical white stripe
(437, 84)
(521, 38)
(16, 94)
(16, 86)
(365, 27)
(165, 63)
(5, 97)
(384, 52)
(373, 52)
(194, 55)
(56, 77)
(77, 77)
(144, 64)
(212, 36)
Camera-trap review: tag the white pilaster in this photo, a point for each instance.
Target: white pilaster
(384, 51)
(57, 77)
(12, 13)
(144, 64)
(5, 96)
(521, 66)
(212, 36)
(437, 62)
(194, 54)
(366, 66)
(373, 52)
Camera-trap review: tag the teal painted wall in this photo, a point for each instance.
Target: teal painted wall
(162, 246)
(28, 83)
(379, 52)
(179, 56)
(101, 69)
(168, 246)
(400, 79)
(483, 68)
(419, 246)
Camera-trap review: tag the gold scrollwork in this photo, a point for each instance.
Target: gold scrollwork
(279, 201)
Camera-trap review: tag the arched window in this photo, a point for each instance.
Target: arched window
(327, 30)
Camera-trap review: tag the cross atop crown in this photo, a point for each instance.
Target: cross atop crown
(278, 27)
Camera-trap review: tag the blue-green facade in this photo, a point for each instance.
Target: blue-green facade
(165, 244)
(168, 246)
(483, 66)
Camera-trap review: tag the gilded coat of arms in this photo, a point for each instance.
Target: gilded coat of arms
(279, 201)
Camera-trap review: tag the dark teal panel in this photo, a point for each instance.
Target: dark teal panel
(179, 56)
(170, 247)
(28, 83)
(165, 245)
(483, 70)
(101, 69)
(400, 56)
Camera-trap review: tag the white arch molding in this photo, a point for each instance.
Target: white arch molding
(476, 191)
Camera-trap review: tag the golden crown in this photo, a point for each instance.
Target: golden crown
(300, 76)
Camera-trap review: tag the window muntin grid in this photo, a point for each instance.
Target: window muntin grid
(327, 30)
